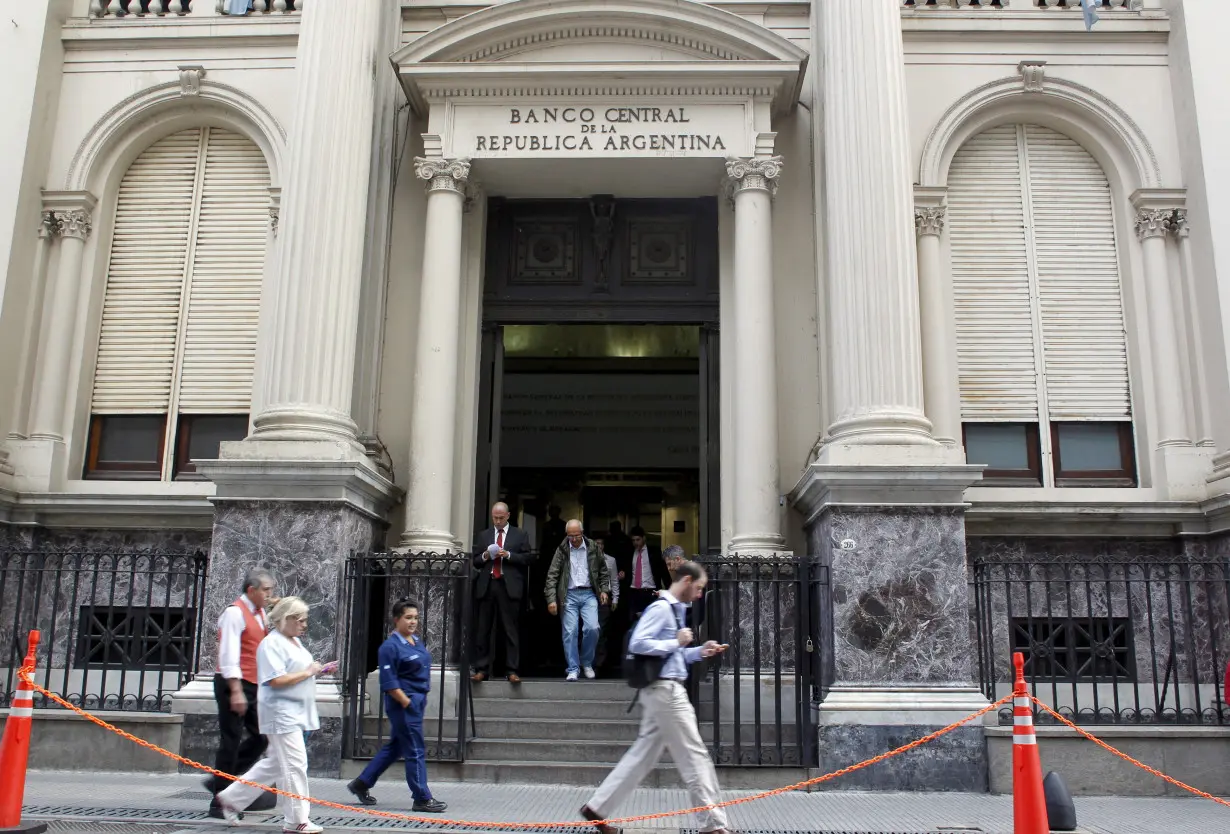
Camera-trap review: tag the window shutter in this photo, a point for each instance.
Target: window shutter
(224, 287)
(991, 281)
(145, 275)
(1080, 301)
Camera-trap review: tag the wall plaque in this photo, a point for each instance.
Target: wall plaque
(602, 129)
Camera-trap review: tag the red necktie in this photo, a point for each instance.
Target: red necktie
(499, 542)
(636, 573)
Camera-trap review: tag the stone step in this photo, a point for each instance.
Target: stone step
(615, 730)
(587, 690)
(553, 750)
(569, 729)
(575, 709)
(592, 774)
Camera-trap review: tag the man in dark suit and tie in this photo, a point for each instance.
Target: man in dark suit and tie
(501, 555)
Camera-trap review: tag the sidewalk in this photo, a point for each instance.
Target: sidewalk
(167, 804)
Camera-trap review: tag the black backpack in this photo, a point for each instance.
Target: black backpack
(640, 670)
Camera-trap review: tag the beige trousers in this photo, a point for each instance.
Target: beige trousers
(667, 722)
(285, 762)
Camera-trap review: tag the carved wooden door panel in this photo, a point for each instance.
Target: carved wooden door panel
(600, 260)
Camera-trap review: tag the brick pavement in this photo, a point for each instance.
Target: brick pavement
(159, 798)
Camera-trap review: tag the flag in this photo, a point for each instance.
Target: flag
(1089, 8)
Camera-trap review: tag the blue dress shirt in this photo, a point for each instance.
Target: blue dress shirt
(656, 634)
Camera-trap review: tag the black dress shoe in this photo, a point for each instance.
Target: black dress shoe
(431, 806)
(265, 802)
(361, 792)
(592, 815)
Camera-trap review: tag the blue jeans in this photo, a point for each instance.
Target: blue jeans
(405, 740)
(580, 601)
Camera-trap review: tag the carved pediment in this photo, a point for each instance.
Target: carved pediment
(538, 44)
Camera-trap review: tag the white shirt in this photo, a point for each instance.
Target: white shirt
(613, 570)
(230, 629)
(578, 567)
(285, 709)
(647, 580)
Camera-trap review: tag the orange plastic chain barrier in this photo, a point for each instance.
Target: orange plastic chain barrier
(26, 674)
(1126, 757)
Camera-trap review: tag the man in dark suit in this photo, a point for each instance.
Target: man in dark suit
(645, 574)
(501, 556)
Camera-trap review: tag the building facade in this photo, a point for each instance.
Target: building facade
(894, 284)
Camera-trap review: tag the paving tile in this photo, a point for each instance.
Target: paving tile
(835, 812)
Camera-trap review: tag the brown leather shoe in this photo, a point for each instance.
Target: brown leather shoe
(592, 815)
(514, 678)
(478, 677)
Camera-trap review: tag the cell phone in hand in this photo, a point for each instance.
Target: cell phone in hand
(329, 667)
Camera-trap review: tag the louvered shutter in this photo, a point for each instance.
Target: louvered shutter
(145, 275)
(1080, 303)
(224, 286)
(991, 280)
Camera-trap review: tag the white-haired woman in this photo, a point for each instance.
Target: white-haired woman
(287, 698)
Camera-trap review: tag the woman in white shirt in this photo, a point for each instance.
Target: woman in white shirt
(287, 700)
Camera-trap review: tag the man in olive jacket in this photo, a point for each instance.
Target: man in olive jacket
(577, 581)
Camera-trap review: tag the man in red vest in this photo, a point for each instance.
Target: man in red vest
(241, 628)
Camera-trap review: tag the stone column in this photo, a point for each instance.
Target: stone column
(1152, 226)
(48, 229)
(873, 327)
(56, 351)
(299, 494)
(941, 387)
(308, 377)
(757, 491)
(19, 417)
(1181, 229)
(433, 420)
(1180, 469)
(883, 501)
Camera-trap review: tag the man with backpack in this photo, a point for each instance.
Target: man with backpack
(660, 650)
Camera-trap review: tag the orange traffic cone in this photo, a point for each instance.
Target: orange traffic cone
(1028, 797)
(15, 751)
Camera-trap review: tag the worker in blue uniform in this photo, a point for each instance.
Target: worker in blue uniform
(405, 679)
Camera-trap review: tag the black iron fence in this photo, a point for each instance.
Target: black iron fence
(119, 631)
(440, 584)
(1108, 642)
(756, 705)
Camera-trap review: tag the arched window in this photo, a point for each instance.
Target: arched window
(1041, 348)
(178, 340)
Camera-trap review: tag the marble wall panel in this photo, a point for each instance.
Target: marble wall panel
(901, 609)
(66, 586)
(304, 545)
(1175, 594)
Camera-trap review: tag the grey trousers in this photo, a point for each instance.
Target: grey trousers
(667, 722)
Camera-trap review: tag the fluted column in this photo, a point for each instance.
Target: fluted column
(1181, 229)
(751, 183)
(1151, 230)
(19, 426)
(941, 389)
(433, 420)
(56, 349)
(308, 372)
(875, 350)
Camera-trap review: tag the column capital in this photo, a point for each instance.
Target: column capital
(47, 225)
(1152, 222)
(443, 174)
(75, 223)
(71, 212)
(1179, 225)
(752, 174)
(929, 220)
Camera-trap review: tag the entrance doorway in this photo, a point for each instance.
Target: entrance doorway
(599, 385)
